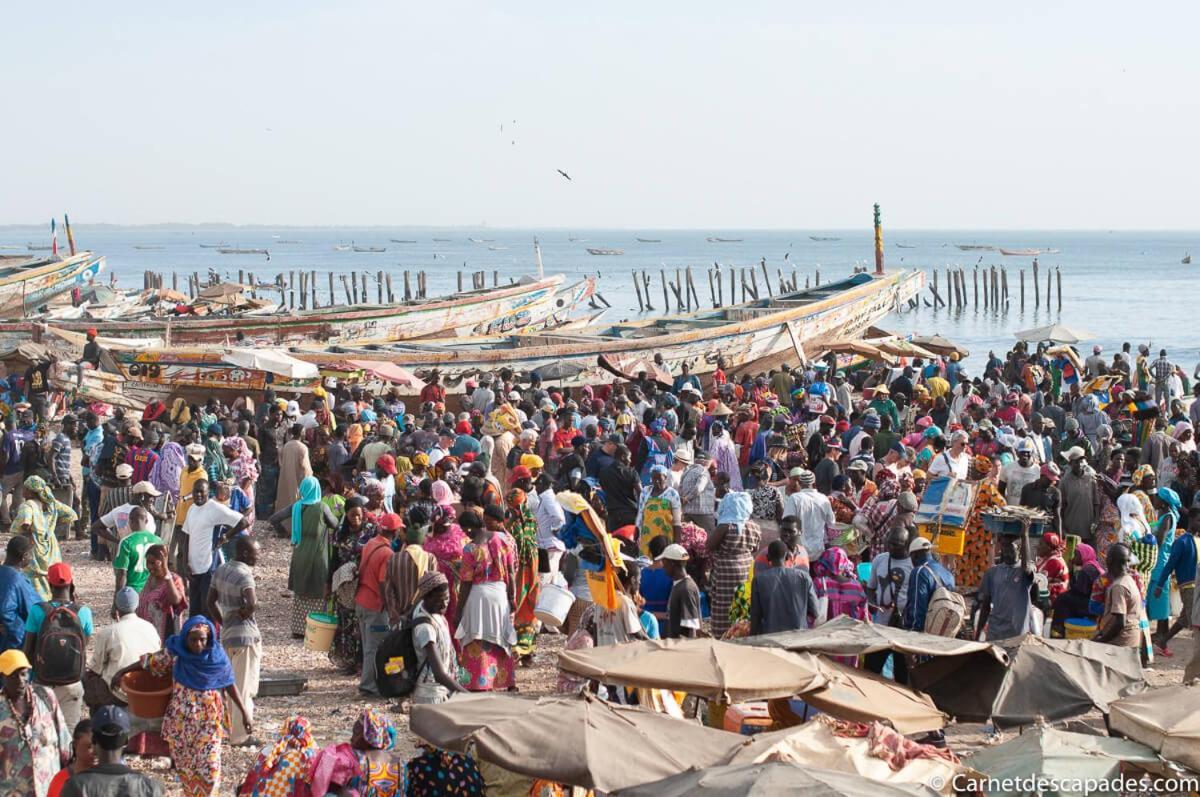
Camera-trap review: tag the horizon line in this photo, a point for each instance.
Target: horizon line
(564, 228)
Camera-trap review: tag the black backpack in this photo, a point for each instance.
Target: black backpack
(59, 658)
(396, 670)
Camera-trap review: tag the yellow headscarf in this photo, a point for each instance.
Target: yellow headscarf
(354, 436)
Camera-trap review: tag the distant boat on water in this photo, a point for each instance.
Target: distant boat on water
(441, 240)
(144, 246)
(715, 240)
(286, 241)
(1027, 252)
(498, 248)
(33, 248)
(1187, 259)
(591, 251)
(231, 251)
(11, 246)
(649, 240)
(976, 247)
(906, 246)
(575, 240)
(341, 247)
(401, 241)
(213, 246)
(371, 249)
(824, 238)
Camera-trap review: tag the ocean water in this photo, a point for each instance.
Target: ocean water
(1116, 285)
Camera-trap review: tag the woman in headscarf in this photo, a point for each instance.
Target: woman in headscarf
(979, 552)
(446, 542)
(485, 628)
(724, 455)
(1108, 482)
(163, 600)
(308, 575)
(165, 474)
(835, 580)
(844, 508)
(215, 464)
(1050, 563)
(37, 518)
(527, 587)
(1158, 606)
(442, 773)
(1185, 435)
(243, 469)
(282, 766)
(193, 724)
(731, 547)
(875, 518)
(659, 510)
(181, 414)
(1074, 602)
(345, 546)
(437, 662)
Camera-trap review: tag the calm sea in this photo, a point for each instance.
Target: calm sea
(1118, 286)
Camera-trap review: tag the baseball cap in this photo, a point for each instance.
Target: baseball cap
(796, 472)
(391, 522)
(193, 450)
(145, 488)
(675, 552)
(13, 660)
(919, 544)
(857, 464)
(126, 600)
(60, 574)
(1075, 453)
(387, 464)
(124, 471)
(519, 472)
(110, 720)
(1051, 471)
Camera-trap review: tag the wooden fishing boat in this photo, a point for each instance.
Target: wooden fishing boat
(716, 240)
(1187, 259)
(234, 251)
(1021, 252)
(824, 238)
(489, 311)
(976, 247)
(649, 240)
(147, 246)
(38, 248)
(591, 251)
(401, 241)
(759, 335)
(212, 246)
(371, 249)
(906, 246)
(28, 283)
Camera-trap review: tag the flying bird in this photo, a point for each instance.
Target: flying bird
(564, 174)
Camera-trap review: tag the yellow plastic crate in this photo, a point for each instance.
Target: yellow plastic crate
(947, 540)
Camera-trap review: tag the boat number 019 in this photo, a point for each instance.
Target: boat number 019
(152, 370)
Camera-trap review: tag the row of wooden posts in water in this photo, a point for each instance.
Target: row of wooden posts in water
(995, 295)
(687, 298)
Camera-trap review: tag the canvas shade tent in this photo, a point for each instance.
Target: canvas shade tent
(1050, 679)
(272, 361)
(578, 740)
(901, 348)
(940, 345)
(389, 372)
(1068, 759)
(1166, 719)
(1055, 333)
(755, 780)
(817, 744)
(859, 347)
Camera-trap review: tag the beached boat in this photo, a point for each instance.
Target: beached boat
(756, 335)
(371, 249)
(27, 283)
(591, 251)
(649, 240)
(824, 238)
(976, 247)
(487, 311)
(234, 251)
(716, 240)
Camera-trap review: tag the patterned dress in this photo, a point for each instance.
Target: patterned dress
(447, 548)
(731, 565)
(658, 516)
(155, 607)
(979, 549)
(32, 753)
(489, 665)
(193, 726)
(523, 529)
(441, 773)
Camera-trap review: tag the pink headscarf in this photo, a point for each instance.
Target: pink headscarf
(441, 493)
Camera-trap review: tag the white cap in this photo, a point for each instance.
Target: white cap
(145, 488)
(195, 450)
(1074, 453)
(124, 471)
(674, 552)
(919, 544)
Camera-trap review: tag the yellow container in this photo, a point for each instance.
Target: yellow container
(947, 540)
(318, 631)
(1080, 628)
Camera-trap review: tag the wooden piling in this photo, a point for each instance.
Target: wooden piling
(354, 283)
(637, 287)
(253, 285)
(390, 296)
(1037, 291)
(1022, 280)
(1048, 286)
(976, 279)
(346, 288)
(720, 288)
(935, 289)
(818, 278)
(766, 277)
(732, 287)
(754, 283)
(1004, 285)
(332, 299)
(666, 296)
(303, 290)
(1058, 279)
(712, 292)
(460, 282)
(646, 290)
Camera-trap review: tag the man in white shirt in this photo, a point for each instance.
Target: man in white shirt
(550, 518)
(117, 646)
(954, 460)
(114, 526)
(1015, 475)
(812, 510)
(199, 531)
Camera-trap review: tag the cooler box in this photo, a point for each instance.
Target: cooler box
(947, 540)
(748, 718)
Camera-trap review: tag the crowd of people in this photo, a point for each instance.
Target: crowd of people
(667, 508)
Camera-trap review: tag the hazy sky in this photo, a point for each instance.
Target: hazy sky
(697, 114)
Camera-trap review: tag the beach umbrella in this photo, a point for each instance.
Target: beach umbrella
(1049, 679)
(1166, 719)
(390, 372)
(560, 369)
(940, 345)
(859, 347)
(753, 780)
(578, 740)
(273, 361)
(1055, 333)
(902, 348)
(1068, 759)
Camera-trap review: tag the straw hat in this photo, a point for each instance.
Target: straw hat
(722, 410)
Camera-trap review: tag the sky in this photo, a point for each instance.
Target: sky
(796, 115)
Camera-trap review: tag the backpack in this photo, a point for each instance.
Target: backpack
(396, 671)
(59, 658)
(946, 613)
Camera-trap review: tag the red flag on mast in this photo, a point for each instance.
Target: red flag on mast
(53, 238)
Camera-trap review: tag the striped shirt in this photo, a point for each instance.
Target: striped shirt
(1161, 369)
(230, 582)
(60, 459)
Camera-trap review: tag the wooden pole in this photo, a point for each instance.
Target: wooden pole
(637, 286)
(733, 288)
(712, 292)
(691, 286)
(1048, 286)
(253, 285)
(390, 296)
(1022, 280)
(1058, 279)
(878, 244)
(937, 298)
(303, 290)
(646, 290)
(976, 279)
(1004, 284)
(459, 282)
(666, 296)
(818, 278)
(363, 293)
(332, 299)
(346, 288)
(754, 283)
(354, 282)
(766, 277)
(720, 289)
(1037, 291)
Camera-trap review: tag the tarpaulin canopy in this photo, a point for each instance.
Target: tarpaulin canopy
(752, 780)
(815, 744)
(1069, 759)
(733, 673)
(578, 740)
(389, 372)
(1051, 679)
(1055, 333)
(901, 348)
(940, 345)
(1166, 719)
(860, 347)
(845, 636)
(273, 361)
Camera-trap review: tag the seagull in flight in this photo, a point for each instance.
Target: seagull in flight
(564, 174)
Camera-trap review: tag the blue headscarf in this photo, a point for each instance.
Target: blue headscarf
(1171, 499)
(203, 671)
(735, 509)
(310, 493)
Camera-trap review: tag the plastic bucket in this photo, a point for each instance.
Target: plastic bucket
(1080, 628)
(554, 602)
(318, 631)
(147, 694)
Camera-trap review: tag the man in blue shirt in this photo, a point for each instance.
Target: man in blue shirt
(62, 593)
(17, 595)
(1182, 565)
(927, 575)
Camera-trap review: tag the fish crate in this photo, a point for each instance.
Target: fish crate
(947, 540)
(1011, 526)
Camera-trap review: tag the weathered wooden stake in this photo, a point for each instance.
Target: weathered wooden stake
(937, 298)
(346, 288)
(1058, 276)
(637, 287)
(459, 282)
(390, 296)
(354, 282)
(818, 278)
(712, 292)
(1037, 291)
(1022, 281)
(754, 283)
(332, 298)
(1048, 286)
(766, 277)
(976, 279)
(1004, 285)
(666, 296)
